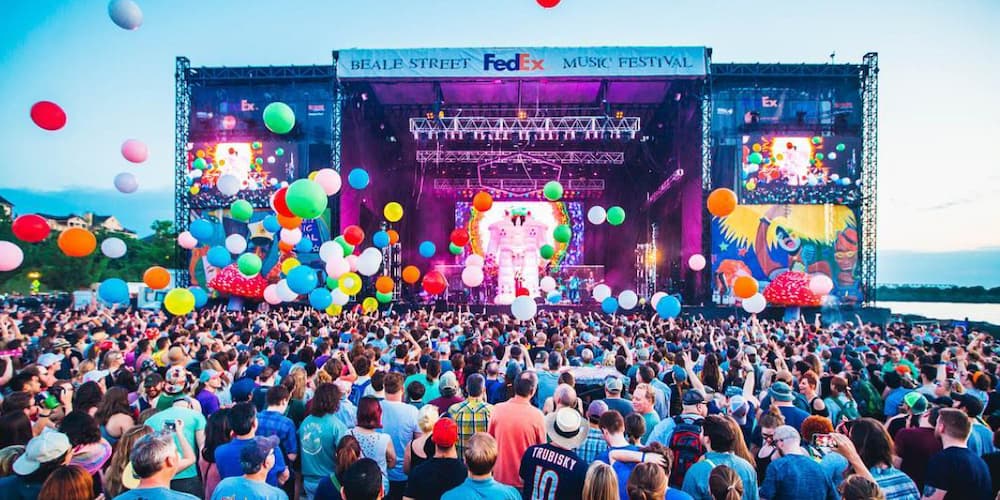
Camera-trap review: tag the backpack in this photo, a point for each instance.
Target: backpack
(848, 411)
(869, 401)
(686, 446)
(358, 392)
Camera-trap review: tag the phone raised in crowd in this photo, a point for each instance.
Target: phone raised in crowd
(170, 426)
(823, 441)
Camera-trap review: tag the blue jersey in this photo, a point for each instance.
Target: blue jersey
(552, 473)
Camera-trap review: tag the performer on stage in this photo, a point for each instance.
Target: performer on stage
(574, 289)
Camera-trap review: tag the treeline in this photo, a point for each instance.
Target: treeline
(967, 294)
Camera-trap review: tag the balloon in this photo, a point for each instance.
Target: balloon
(249, 264)
(841, 147)
(358, 178)
(279, 118)
(179, 301)
(126, 182)
(200, 296)
(411, 274)
(523, 308)
(755, 158)
(427, 249)
(455, 249)
(817, 140)
(288, 264)
(597, 215)
(11, 256)
(435, 283)
(393, 236)
(302, 280)
(241, 210)
(77, 242)
(352, 260)
(156, 277)
(628, 300)
(459, 237)
(668, 307)
(553, 297)
(472, 276)
(616, 216)
(601, 292)
(280, 204)
(369, 262)
(819, 156)
(126, 14)
(337, 266)
(202, 230)
(546, 251)
(291, 236)
(339, 297)
(285, 293)
(271, 294)
(113, 290)
(347, 248)
(547, 284)
(754, 304)
(331, 283)
(744, 287)
(218, 256)
(522, 292)
(380, 239)
(304, 245)
(354, 235)
(330, 250)
(384, 284)
(349, 283)
(113, 248)
(721, 202)
(562, 233)
(306, 199)
(609, 305)
(135, 151)
(383, 298)
(292, 222)
(655, 299)
(329, 180)
(482, 201)
(320, 298)
(48, 115)
(271, 224)
(474, 260)
(696, 262)
(30, 228)
(552, 191)
(548, 4)
(370, 304)
(820, 284)
(392, 211)
(335, 309)
(236, 243)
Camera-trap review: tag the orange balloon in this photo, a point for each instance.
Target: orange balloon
(721, 202)
(745, 287)
(482, 201)
(411, 274)
(289, 222)
(156, 278)
(77, 242)
(393, 236)
(384, 284)
(285, 247)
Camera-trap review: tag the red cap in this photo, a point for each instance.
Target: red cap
(445, 433)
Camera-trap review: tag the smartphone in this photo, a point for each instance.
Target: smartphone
(823, 441)
(172, 426)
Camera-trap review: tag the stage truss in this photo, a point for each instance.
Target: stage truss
(869, 177)
(542, 128)
(495, 156)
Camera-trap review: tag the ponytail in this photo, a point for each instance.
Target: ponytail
(348, 452)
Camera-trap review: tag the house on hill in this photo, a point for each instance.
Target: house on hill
(89, 221)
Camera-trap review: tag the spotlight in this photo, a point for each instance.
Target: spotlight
(619, 115)
(430, 115)
(522, 114)
(364, 96)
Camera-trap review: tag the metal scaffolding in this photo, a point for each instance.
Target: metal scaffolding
(518, 186)
(543, 128)
(182, 109)
(494, 156)
(869, 176)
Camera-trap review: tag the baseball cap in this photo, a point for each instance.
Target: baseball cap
(176, 380)
(48, 359)
(256, 452)
(613, 384)
(253, 371)
(780, 391)
(46, 447)
(448, 382)
(917, 403)
(445, 433)
(738, 406)
(692, 397)
(94, 376)
(972, 405)
(207, 375)
(596, 409)
(152, 379)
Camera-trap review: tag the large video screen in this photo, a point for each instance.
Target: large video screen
(524, 226)
(259, 166)
(237, 109)
(783, 247)
(799, 169)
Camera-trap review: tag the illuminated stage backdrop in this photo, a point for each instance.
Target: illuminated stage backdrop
(799, 169)
(551, 214)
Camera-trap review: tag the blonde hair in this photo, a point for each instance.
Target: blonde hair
(298, 380)
(7, 457)
(857, 487)
(725, 484)
(601, 482)
(119, 459)
(427, 417)
(481, 453)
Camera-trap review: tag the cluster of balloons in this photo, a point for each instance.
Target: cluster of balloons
(472, 274)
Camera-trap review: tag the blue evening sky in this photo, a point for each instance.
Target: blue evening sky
(939, 80)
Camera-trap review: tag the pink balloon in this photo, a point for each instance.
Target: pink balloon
(474, 260)
(337, 266)
(11, 256)
(271, 294)
(135, 151)
(353, 261)
(820, 284)
(329, 180)
(186, 241)
(472, 276)
(696, 262)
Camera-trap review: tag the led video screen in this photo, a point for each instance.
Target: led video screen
(531, 223)
(799, 169)
(260, 167)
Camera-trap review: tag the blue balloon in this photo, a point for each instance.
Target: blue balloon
(380, 239)
(113, 290)
(320, 298)
(219, 257)
(554, 297)
(200, 296)
(304, 245)
(202, 230)
(271, 224)
(609, 305)
(668, 307)
(358, 178)
(302, 280)
(427, 249)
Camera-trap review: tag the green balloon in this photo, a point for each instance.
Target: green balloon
(616, 215)
(279, 152)
(241, 210)
(841, 147)
(454, 249)
(279, 118)
(331, 283)
(200, 164)
(819, 156)
(562, 233)
(817, 140)
(383, 298)
(249, 264)
(255, 145)
(258, 160)
(347, 247)
(756, 158)
(546, 251)
(306, 199)
(553, 191)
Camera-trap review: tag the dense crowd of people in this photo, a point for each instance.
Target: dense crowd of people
(426, 404)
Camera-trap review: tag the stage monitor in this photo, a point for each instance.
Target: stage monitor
(799, 169)
(539, 218)
(260, 167)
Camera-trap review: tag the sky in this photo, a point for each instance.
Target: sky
(939, 86)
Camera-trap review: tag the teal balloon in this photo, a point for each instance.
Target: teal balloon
(380, 239)
(306, 199)
(383, 298)
(609, 305)
(668, 307)
(302, 280)
(249, 264)
(279, 152)
(241, 210)
(756, 158)
(271, 224)
(200, 296)
(347, 247)
(320, 298)
(218, 256)
(553, 191)
(454, 249)
(113, 290)
(199, 163)
(358, 178)
(202, 230)
(279, 118)
(427, 249)
(546, 251)
(841, 147)
(616, 216)
(562, 233)
(305, 245)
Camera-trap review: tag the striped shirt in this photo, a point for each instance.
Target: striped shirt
(472, 416)
(895, 484)
(593, 446)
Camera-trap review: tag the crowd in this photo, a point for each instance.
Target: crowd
(425, 404)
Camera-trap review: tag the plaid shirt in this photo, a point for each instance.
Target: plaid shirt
(472, 416)
(272, 423)
(593, 446)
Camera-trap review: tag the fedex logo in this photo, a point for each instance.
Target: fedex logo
(520, 62)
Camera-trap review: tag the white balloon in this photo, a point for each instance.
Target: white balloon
(186, 241)
(655, 299)
(472, 276)
(755, 304)
(474, 260)
(597, 214)
(352, 260)
(337, 266)
(523, 308)
(369, 262)
(291, 236)
(236, 244)
(339, 297)
(329, 180)
(547, 284)
(113, 248)
(125, 13)
(601, 292)
(271, 294)
(285, 293)
(126, 182)
(628, 299)
(329, 250)
(696, 262)
(11, 256)
(820, 284)
(228, 185)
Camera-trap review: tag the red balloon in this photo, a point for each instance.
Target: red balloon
(354, 235)
(522, 292)
(460, 237)
(48, 115)
(548, 4)
(279, 204)
(434, 283)
(30, 228)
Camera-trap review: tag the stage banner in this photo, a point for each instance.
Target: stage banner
(527, 62)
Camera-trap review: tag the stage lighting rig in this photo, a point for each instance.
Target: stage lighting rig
(537, 128)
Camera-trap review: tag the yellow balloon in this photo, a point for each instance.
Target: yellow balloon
(195, 189)
(370, 304)
(179, 301)
(312, 176)
(334, 309)
(393, 211)
(349, 283)
(289, 264)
